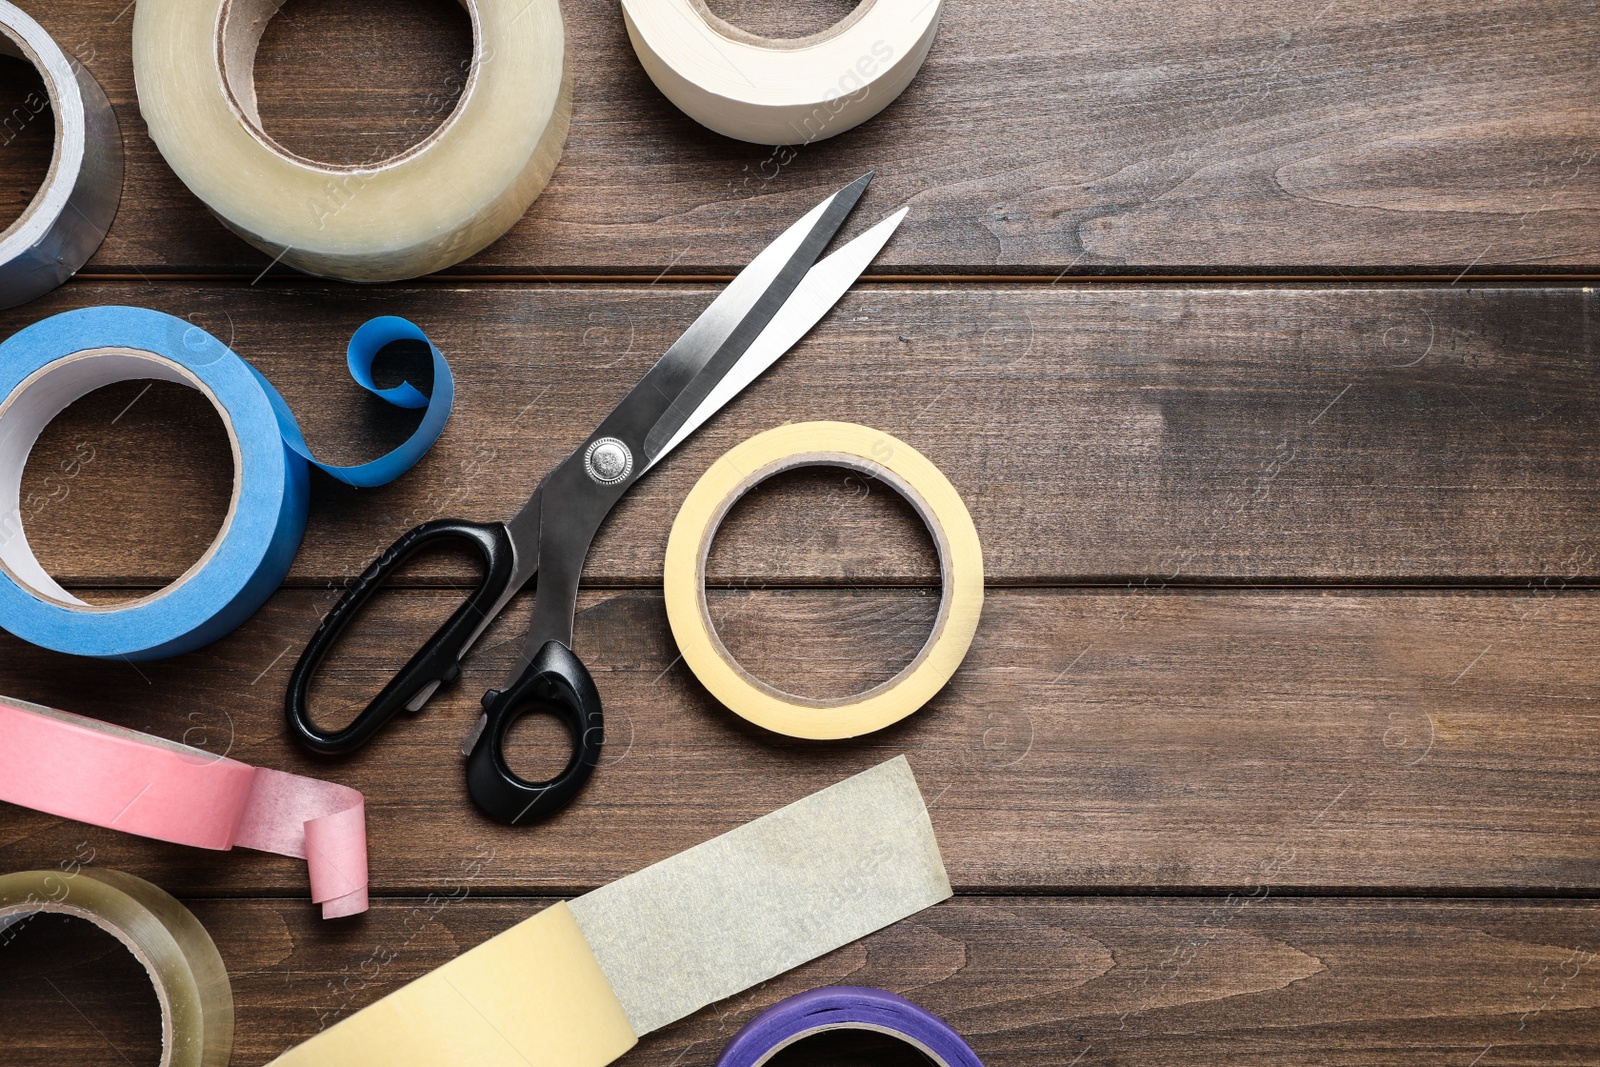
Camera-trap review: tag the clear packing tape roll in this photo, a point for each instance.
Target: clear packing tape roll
(190, 980)
(68, 218)
(781, 92)
(48, 365)
(579, 983)
(866, 451)
(373, 220)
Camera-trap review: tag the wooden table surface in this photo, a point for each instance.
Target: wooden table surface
(1260, 340)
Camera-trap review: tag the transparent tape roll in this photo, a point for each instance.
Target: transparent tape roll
(190, 980)
(773, 91)
(378, 220)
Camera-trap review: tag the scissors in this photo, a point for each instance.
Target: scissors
(762, 313)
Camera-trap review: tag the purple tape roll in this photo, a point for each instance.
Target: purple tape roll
(844, 1007)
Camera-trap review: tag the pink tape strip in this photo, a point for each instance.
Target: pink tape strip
(84, 769)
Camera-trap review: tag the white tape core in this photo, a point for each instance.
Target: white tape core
(34, 404)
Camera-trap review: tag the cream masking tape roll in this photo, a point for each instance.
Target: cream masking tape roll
(781, 91)
(190, 980)
(580, 982)
(424, 209)
(48, 365)
(877, 455)
(68, 218)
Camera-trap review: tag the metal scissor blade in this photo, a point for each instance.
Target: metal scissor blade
(735, 319)
(740, 306)
(554, 541)
(824, 285)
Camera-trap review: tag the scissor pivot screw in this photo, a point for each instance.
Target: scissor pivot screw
(608, 461)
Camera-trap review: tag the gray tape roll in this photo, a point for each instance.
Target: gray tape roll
(68, 219)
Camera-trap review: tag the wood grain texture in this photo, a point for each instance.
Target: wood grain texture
(1039, 138)
(1345, 816)
(1028, 982)
(73, 993)
(1099, 434)
(1093, 740)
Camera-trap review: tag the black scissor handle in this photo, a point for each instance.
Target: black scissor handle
(437, 663)
(558, 683)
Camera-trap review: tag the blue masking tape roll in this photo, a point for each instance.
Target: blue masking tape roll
(50, 364)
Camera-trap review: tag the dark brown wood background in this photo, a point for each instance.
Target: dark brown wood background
(1261, 341)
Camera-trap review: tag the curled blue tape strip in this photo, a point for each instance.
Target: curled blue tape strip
(52, 363)
(846, 1008)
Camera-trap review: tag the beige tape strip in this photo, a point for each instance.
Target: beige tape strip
(531, 997)
(190, 980)
(578, 983)
(765, 898)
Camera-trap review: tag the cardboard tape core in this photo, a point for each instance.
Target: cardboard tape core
(877, 472)
(776, 91)
(431, 206)
(36, 403)
(866, 451)
(739, 33)
(190, 981)
(67, 219)
(244, 22)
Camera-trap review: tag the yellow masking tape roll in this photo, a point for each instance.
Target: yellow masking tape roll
(190, 981)
(532, 997)
(376, 220)
(873, 453)
(781, 91)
